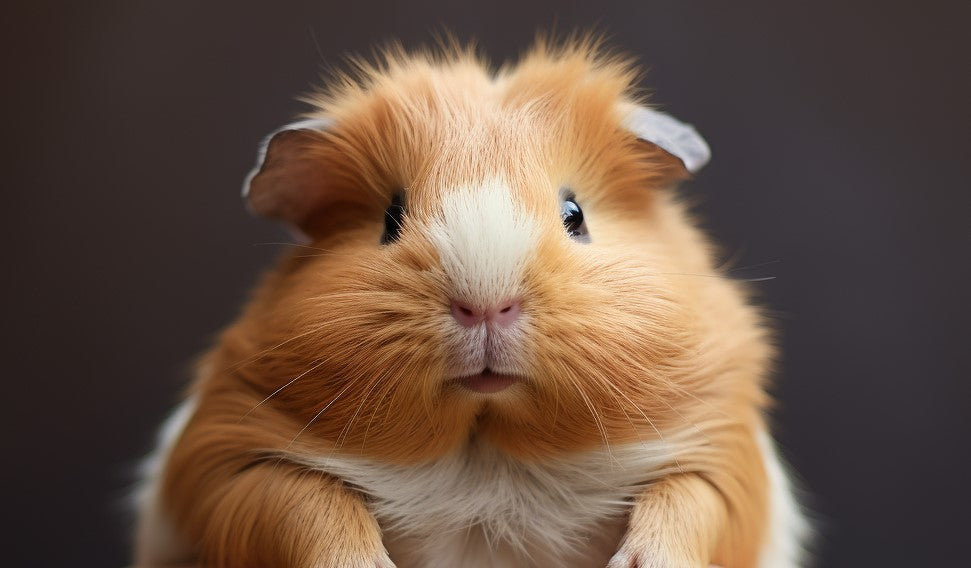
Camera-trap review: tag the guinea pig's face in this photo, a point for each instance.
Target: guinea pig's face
(489, 256)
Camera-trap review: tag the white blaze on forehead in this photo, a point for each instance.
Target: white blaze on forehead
(484, 239)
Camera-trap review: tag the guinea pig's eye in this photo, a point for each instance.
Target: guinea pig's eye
(393, 218)
(573, 221)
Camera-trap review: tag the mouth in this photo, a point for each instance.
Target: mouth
(488, 382)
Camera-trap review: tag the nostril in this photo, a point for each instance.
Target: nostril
(470, 316)
(507, 314)
(466, 315)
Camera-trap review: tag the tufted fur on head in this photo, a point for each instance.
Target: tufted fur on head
(348, 349)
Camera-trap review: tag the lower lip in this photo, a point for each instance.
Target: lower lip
(488, 383)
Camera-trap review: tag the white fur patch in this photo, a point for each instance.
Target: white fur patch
(484, 241)
(788, 528)
(481, 508)
(475, 348)
(156, 543)
(480, 499)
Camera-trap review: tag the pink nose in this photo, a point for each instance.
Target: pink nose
(503, 315)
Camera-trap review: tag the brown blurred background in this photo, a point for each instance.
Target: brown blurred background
(841, 167)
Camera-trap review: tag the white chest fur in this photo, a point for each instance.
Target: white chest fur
(479, 507)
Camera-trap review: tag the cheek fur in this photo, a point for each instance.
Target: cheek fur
(356, 355)
(610, 354)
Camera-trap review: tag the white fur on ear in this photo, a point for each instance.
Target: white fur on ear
(317, 124)
(671, 135)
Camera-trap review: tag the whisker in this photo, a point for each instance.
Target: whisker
(313, 36)
(640, 411)
(346, 431)
(274, 393)
(633, 405)
(316, 328)
(377, 404)
(263, 352)
(285, 244)
(722, 276)
(322, 251)
(593, 414)
(679, 389)
(735, 257)
(316, 416)
(620, 407)
(759, 265)
(685, 419)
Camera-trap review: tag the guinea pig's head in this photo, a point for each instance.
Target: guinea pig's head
(487, 254)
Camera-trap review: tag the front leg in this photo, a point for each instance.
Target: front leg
(716, 513)
(278, 515)
(676, 523)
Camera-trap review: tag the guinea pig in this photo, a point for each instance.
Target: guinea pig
(504, 343)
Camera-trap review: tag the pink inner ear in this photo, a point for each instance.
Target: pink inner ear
(291, 182)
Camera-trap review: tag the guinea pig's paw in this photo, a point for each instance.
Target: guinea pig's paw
(383, 560)
(634, 556)
(379, 560)
(339, 555)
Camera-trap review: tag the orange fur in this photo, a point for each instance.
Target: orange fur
(632, 337)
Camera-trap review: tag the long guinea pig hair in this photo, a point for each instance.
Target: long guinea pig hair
(427, 182)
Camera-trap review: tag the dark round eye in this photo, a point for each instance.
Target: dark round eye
(573, 221)
(394, 216)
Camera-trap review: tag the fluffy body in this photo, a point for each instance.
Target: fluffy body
(327, 429)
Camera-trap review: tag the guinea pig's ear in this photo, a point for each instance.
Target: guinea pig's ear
(291, 181)
(675, 138)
